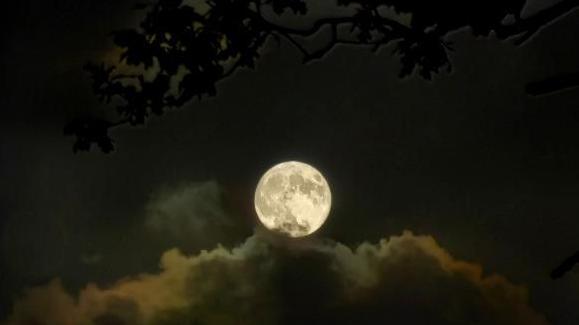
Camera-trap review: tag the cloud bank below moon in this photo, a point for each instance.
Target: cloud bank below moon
(400, 279)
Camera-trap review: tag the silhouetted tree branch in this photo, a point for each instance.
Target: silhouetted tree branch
(182, 51)
(565, 266)
(553, 84)
(530, 26)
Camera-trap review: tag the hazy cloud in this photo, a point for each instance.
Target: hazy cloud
(405, 278)
(91, 258)
(192, 214)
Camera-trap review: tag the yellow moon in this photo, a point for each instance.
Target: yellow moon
(293, 198)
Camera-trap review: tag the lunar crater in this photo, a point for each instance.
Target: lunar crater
(293, 198)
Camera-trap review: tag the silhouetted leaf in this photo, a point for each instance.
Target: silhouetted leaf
(296, 6)
(88, 131)
(137, 48)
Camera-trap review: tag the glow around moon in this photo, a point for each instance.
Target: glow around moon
(293, 198)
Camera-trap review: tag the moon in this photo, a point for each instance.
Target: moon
(293, 198)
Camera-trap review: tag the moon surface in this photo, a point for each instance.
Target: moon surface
(293, 198)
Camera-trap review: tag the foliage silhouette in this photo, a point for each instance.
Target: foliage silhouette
(184, 49)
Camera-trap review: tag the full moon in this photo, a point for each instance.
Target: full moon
(293, 198)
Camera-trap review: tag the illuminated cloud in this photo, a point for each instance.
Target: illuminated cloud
(192, 215)
(403, 279)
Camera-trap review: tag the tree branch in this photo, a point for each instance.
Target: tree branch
(530, 26)
(420, 48)
(336, 21)
(294, 42)
(322, 51)
(386, 25)
(553, 84)
(565, 266)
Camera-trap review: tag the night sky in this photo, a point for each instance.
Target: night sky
(453, 199)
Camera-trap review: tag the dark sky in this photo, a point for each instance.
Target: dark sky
(469, 159)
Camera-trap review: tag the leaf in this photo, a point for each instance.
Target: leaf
(88, 131)
(298, 7)
(138, 50)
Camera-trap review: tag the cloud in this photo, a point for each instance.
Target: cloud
(91, 258)
(402, 279)
(193, 215)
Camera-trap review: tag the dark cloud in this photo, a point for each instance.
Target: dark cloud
(405, 278)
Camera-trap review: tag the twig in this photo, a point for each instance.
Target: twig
(530, 26)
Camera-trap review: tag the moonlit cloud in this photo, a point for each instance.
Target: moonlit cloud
(192, 215)
(401, 279)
